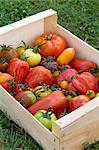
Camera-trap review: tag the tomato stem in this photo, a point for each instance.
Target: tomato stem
(37, 48)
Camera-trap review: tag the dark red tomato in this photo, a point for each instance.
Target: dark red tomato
(84, 82)
(26, 98)
(8, 53)
(39, 75)
(53, 44)
(19, 69)
(7, 81)
(77, 102)
(56, 101)
(83, 65)
(66, 75)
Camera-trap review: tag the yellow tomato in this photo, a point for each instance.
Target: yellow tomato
(31, 57)
(64, 84)
(42, 91)
(66, 56)
(20, 51)
(90, 94)
(97, 94)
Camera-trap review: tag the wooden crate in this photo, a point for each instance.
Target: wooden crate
(73, 130)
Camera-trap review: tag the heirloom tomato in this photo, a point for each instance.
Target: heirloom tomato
(82, 65)
(7, 81)
(42, 91)
(31, 56)
(55, 100)
(52, 44)
(19, 69)
(3, 65)
(67, 75)
(8, 53)
(77, 102)
(84, 82)
(66, 56)
(37, 76)
(46, 118)
(26, 98)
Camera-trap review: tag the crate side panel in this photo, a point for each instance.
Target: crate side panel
(25, 120)
(83, 50)
(26, 33)
(84, 130)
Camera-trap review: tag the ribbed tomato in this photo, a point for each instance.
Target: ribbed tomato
(66, 75)
(53, 44)
(19, 69)
(6, 81)
(84, 82)
(37, 76)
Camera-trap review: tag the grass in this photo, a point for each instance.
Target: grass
(80, 17)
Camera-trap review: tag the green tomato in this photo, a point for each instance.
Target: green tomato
(31, 57)
(46, 118)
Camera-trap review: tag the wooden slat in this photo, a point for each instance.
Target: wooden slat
(26, 21)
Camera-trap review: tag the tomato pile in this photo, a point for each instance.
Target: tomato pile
(48, 79)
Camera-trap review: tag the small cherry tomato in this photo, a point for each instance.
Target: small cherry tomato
(90, 94)
(97, 94)
(69, 97)
(64, 84)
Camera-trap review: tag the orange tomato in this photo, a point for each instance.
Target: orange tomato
(64, 84)
(50, 44)
(66, 56)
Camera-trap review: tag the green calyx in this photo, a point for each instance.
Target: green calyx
(11, 82)
(37, 48)
(50, 59)
(47, 115)
(4, 47)
(24, 57)
(64, 68)
(48, 37)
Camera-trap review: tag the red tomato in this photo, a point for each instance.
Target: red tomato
(53, 44)
(84, 82)
(6, 81)
(56, 101)
(19, 69)
(77, 102)
(71, 88)
(97, 77)
(83, 65)
(66, 75)
(18, 88)
(39, 75)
